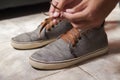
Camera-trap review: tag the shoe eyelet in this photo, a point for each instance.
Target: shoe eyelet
(53, 26)
(76, 41)
(74, 45)
(49, 30)
(79, 38)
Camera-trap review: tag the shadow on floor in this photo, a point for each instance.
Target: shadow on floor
(22, 11)
(114, 45)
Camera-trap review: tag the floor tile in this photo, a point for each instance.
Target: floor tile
(71, 74)
(14, 64)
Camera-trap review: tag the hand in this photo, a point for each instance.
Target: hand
(84, 13)
(89, 13)
(61, 6)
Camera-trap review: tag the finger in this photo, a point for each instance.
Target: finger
(58, 8)
(56, 14)
(52, 9)
(55, 21)
(79, 7)
(60, 5)
(75, 16)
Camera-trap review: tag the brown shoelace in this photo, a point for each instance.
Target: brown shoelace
(47, 23)
(72, 36)
(55, 6)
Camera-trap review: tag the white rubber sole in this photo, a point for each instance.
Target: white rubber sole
(30, 45)
(67, 63)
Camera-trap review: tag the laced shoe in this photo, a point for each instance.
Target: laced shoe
(71, 48)
(45, 33)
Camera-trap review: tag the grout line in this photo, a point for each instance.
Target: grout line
(89, 73)
(40, 78)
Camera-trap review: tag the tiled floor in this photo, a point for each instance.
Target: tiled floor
(14, 63)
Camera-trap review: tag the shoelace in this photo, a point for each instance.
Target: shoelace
(55, 6)
(47, 23)
(72, 36)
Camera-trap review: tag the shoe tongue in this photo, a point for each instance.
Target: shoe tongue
(71, 36)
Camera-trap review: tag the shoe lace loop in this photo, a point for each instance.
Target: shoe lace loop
(47, 23)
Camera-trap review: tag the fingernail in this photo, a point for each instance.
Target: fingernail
(54, 21)
(56, 14)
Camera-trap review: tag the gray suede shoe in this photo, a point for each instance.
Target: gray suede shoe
(73, 47)
(43, 35)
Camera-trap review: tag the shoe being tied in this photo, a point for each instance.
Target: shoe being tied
(71, 48)
(45, 33)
